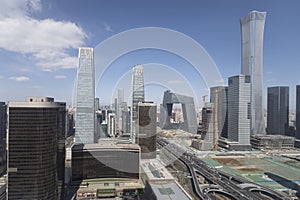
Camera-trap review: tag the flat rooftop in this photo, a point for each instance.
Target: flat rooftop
(169, 191)
(155, 171)
(106, 144)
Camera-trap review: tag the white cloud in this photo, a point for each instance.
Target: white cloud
(60, 77)
(19, 79)
(107, 28)
(46, 41)
(17, 8)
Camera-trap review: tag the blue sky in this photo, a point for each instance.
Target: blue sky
(39, 42)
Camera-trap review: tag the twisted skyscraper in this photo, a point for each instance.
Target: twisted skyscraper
(252, 27)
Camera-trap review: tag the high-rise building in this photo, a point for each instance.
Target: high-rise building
(219, 95)
(298, 112)
(239, 109)
(278, 110)
(85, 98)
(35, 149)
(126, 121)
(111, 124)
(146, 129)
(138, 95)
(252, 27)
(3, 119)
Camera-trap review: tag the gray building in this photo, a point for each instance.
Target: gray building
(188, 111)
(252, 27)
(3, 119)
(85, 98)
(298, 112)
(146, 129)
(36, 149)
(138, 95)
(278, 110)
(126, 121)
(239, 109)
(219, 95)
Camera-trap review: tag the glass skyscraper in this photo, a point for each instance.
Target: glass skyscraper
(85, 98)
(36, 149)
(138, 95)
(252, 27)
(278, 110)
(239, 109)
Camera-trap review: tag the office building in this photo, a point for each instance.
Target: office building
(298, 112)
(188, 110)
(3, 119)
(138, 95)
(126, 120)
(146, 129)
(239, 109)
(272, 142)
(278, 110)
(85, 98)
(111, 124)
(115, 160)
(252, 27)
(219, 95)
(35, 149)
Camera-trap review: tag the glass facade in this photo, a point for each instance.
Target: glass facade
(239, 112)
(138, 95)
(278, 110)
(104, 162)
(252, 27)
(85, 98)
(35, 142)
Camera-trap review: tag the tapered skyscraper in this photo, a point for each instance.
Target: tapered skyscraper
(138, 95)
(252, 27)
(85, 97)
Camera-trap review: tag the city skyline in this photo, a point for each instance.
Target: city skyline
(25, 68)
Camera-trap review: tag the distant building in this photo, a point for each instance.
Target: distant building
(126, 121)
(221, 93)
(272, 142)
(239, 109)
(111, 124)
(188, 109)
(207, 129)
(252, 27)
(298, 112)
(36, 149)
(115, 161)
(278, 110)
(146, 129)
(85, 98)
(138, 95)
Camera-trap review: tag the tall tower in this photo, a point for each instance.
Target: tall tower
(138, 95)
(239, 109)
(85, 98)
(35, 149)
(278, 110)
(252, 27)
(298, 112)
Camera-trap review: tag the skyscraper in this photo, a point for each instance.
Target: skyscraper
(252, 27)
(3, 119)
(239, 109)
(298, 112)
(85, 98)
(278, 110)
(219, 95)
(138, 95)
(35, 149)
(146, 129)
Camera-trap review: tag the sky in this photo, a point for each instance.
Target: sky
(39, 41)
